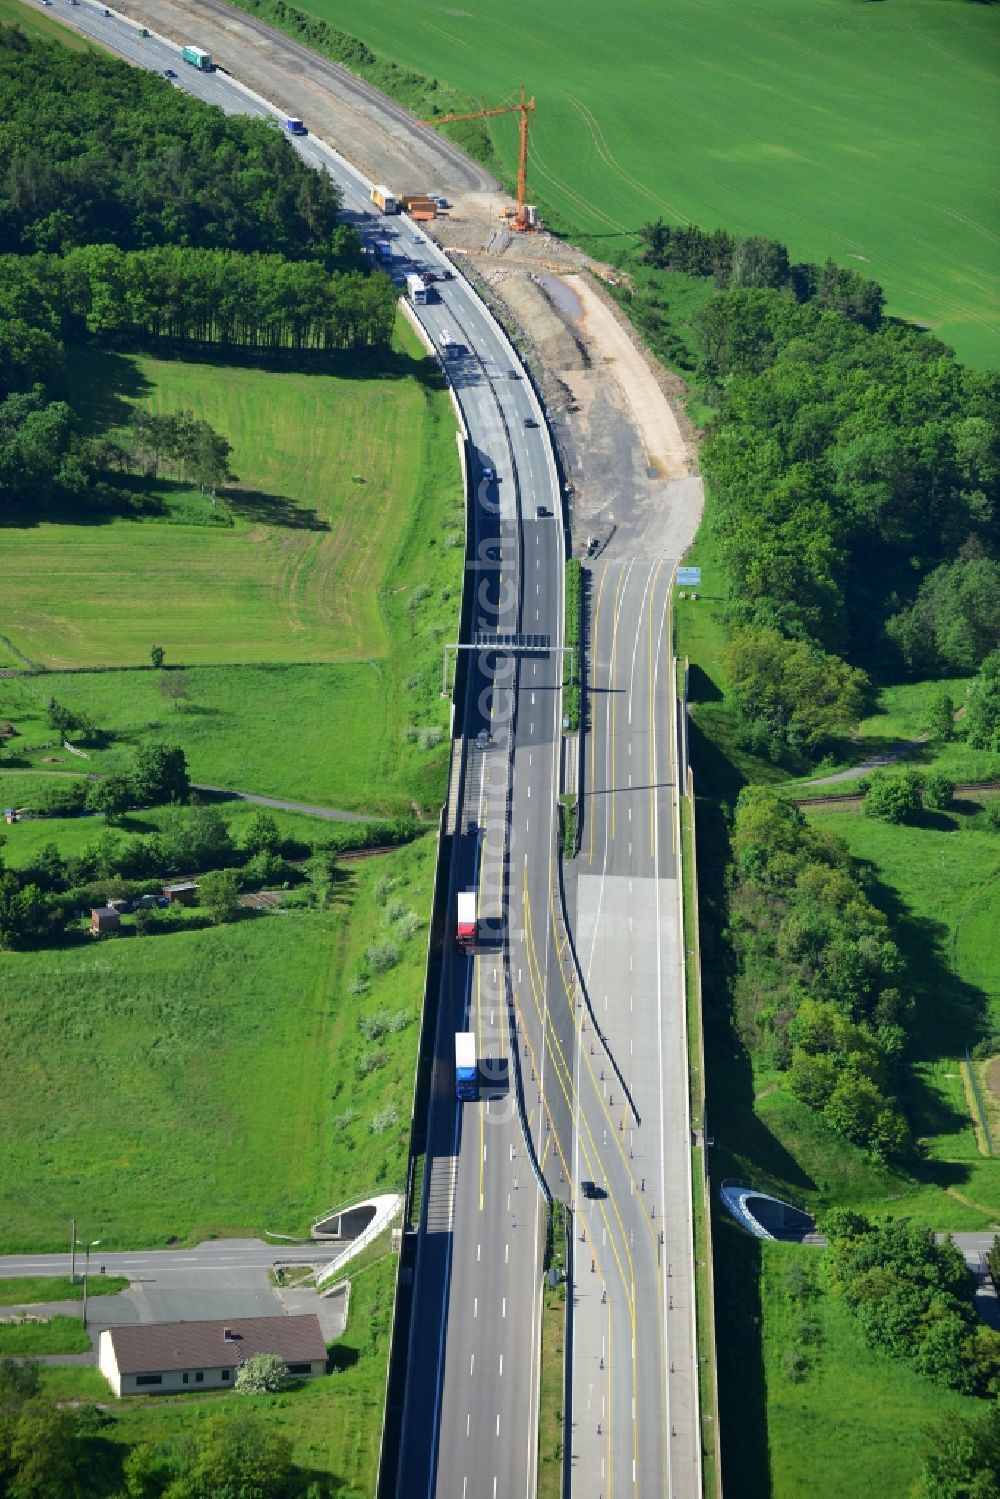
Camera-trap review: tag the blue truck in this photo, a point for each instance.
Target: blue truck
(466, 1068)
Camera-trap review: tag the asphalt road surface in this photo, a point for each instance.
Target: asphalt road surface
(635, 1373)
(215, 1254)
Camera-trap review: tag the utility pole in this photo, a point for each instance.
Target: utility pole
(72, 1254)
(86, 1272)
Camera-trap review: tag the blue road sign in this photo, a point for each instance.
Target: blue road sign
(689, 577)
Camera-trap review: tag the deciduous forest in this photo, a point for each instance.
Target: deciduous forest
(133, 215)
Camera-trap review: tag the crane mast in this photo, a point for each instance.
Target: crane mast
(524, 107)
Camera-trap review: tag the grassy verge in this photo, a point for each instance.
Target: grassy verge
(216, 1081)
(551, 1435)
(29, 1290)
(568, 824)
(572, 659)
(35, 23)
(842, 1420)
(700, 635)
(704, 1298)
(663, 310)
(32, 1339)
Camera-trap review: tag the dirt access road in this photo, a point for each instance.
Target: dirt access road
(378, 136)
(618, 417)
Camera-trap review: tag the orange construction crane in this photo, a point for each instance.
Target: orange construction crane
(523, 107)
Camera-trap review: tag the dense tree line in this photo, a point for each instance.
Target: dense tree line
(131, 213)
(96, 152)
(790, 695)
(223, 297)
(816, 972)
(913, 1299)
(954, 621)
(38, 902)
(982, 718)
(852, 467)
(733, 260)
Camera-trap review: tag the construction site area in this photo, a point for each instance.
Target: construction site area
(627, 448)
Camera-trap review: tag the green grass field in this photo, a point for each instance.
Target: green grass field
(361, 608)
(35, 23)
(902, 715)
(215, 1080)
(71, 835)
(325, 735)
(940, 883)
(329, 474)
(861, 132)
(30, 1339)
(855, 1422)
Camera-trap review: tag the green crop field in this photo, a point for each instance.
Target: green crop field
(330, 470)
(861, 132)
(213, 1080)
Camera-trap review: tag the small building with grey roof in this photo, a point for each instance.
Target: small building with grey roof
(152, 1358)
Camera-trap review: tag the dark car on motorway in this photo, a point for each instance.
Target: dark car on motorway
(592, 1190)
(529, 421)
(169, 73)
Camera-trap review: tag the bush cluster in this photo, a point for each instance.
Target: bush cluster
(913, 1299)
(816, 972)
(573, 659)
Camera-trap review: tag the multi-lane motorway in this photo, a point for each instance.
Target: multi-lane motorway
(635, 1372)
(595, 1011)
